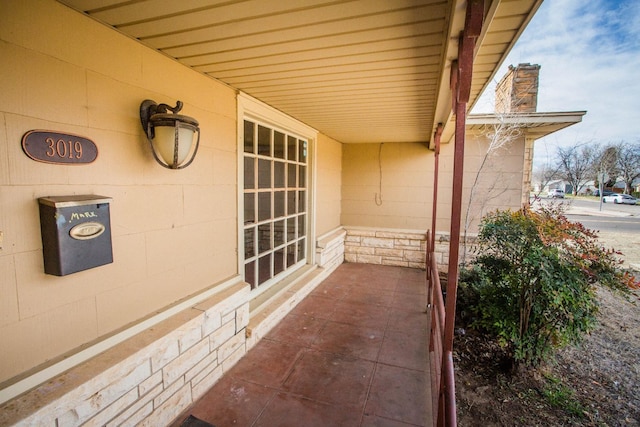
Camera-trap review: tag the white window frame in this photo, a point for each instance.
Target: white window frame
(251, 109)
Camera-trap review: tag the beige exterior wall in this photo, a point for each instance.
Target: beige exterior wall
(329, 180)
(174, 232)
(403, 200)
(406, 172)
(491, 181)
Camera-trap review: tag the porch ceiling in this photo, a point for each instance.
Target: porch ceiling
(356, 70)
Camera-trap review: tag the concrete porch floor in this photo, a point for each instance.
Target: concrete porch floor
(353, 353)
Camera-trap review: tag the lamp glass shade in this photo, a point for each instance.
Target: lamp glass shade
(165, 141)
(173, 133)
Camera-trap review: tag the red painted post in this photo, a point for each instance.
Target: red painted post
(436, 138)
(456, 216)
(461, 77)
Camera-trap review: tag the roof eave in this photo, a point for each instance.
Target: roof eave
(537, 125)
(443, 112)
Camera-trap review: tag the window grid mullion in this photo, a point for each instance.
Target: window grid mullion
(298, 235)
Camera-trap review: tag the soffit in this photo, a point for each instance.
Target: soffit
(536, 125)
(357, 71)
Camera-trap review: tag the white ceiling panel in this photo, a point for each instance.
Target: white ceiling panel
(356, 70)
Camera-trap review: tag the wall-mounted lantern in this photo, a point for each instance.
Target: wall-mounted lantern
(170, 135)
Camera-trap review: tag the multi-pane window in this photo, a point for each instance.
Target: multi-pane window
(275, 202)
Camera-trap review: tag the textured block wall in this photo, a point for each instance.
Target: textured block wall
(386, 247)
(149, 379)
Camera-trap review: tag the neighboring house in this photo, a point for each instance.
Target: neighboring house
(588, 189)
(619, 186)
(316, 145)
(558, 184)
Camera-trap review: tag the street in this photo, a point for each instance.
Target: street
(608, 224)
(611, 218)
(607, 208)
(618, 225)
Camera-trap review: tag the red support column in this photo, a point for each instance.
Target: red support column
(461, 92)
(432, 236)
(436, 137)
(462, 72)
(456, 217)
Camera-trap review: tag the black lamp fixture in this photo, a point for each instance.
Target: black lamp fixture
(170, 135)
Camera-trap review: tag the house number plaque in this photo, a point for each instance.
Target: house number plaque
(59, 148)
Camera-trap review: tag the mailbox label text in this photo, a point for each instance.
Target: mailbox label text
(77, 215)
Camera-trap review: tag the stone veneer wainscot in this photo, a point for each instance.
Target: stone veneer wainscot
(402, 248)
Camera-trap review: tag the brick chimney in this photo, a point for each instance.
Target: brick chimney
(517, 92)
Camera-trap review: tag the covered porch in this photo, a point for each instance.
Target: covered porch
(362, 92)
(354, 352)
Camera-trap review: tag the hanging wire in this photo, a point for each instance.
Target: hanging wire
(378, 197)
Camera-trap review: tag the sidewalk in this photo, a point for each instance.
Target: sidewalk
(572, 210)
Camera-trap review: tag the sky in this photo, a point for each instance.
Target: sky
(589, 53)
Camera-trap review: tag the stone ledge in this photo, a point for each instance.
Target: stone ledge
(334, 237)
(330, 248)
(124, 381)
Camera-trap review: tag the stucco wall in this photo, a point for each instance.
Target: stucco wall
(329, 179)
(174, 232)
(491, 181)
(406, 171)
(392, 188)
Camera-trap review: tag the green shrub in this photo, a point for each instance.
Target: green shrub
(532, 282)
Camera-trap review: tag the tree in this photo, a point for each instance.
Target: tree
(576, 165)
(628, 163)
(544, 174)
(606, 163)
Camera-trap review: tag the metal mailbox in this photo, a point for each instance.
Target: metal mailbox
(76, 233)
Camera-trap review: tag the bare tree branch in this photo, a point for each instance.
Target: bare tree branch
(606, 163)
(544, 174)
(576, 165)
(499, 137)
(628, 164)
